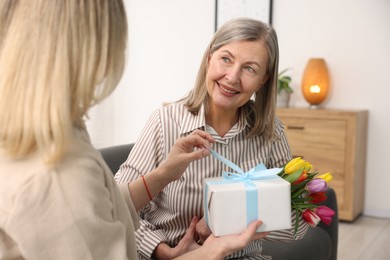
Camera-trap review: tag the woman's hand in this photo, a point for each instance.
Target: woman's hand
(202, 230)
(219, 247)
(183, 153)
(232, 243)
(186, 244)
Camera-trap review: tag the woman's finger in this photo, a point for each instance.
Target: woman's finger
(203, 134)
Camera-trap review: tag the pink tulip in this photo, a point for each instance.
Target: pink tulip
(317, 185)
(325, 213)
(311, 218)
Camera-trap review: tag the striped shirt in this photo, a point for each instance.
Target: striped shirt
(167, 217)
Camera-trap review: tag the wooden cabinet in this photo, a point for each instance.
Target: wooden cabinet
(333, 141)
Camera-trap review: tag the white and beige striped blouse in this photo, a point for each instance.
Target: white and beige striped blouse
(167, 217)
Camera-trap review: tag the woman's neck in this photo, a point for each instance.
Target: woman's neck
(222, 121)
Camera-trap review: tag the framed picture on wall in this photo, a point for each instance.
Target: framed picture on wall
(229, 9)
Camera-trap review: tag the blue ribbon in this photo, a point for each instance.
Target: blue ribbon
(259, 172)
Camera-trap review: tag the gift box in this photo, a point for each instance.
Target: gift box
(232, 203)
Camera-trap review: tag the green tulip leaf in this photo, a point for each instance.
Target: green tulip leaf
(294, 176)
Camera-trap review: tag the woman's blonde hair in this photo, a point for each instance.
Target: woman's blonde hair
(57, 59)
(261, 112)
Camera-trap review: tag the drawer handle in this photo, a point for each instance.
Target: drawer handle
(295, 127)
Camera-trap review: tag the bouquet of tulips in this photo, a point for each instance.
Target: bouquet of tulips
(307, 191)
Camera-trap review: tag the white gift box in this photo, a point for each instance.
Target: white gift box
(231, 205)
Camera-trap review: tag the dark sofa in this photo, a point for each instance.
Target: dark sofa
(320, 243)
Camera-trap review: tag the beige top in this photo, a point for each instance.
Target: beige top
(73, 210)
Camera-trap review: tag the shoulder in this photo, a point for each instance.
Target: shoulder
(279, 124)
(33, 188)
(31, 180)
(176, 109)
(178, 116)
(278, 128)
(15, 176)
(169, 112)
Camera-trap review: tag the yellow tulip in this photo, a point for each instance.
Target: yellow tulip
(307, 166)
(326, 176)
(294, 165)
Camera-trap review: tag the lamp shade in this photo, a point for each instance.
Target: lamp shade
(315, 81)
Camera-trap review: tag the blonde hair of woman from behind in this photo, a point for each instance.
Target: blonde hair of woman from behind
(262, 115)
(57, 59)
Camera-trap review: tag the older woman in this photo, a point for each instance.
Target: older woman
(234, 101)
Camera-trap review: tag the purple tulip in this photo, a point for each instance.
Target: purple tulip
(317, 185)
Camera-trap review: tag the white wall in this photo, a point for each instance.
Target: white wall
(167, 40)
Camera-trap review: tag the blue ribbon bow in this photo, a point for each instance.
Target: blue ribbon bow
(259, 172)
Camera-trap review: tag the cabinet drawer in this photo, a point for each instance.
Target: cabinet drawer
(314, 133)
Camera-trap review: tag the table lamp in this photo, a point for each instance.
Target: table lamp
(315, 82)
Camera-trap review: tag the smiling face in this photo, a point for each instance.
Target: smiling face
(235, 72)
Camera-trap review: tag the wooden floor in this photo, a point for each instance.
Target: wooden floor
(366, 238)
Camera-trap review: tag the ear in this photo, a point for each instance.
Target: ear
(209, 58)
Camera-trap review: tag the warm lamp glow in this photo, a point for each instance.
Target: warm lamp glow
(315, 89)
(315, 81)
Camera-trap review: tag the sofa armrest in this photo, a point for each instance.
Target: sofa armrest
(116, 155)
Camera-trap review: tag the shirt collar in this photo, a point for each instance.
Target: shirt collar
(192, 122)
